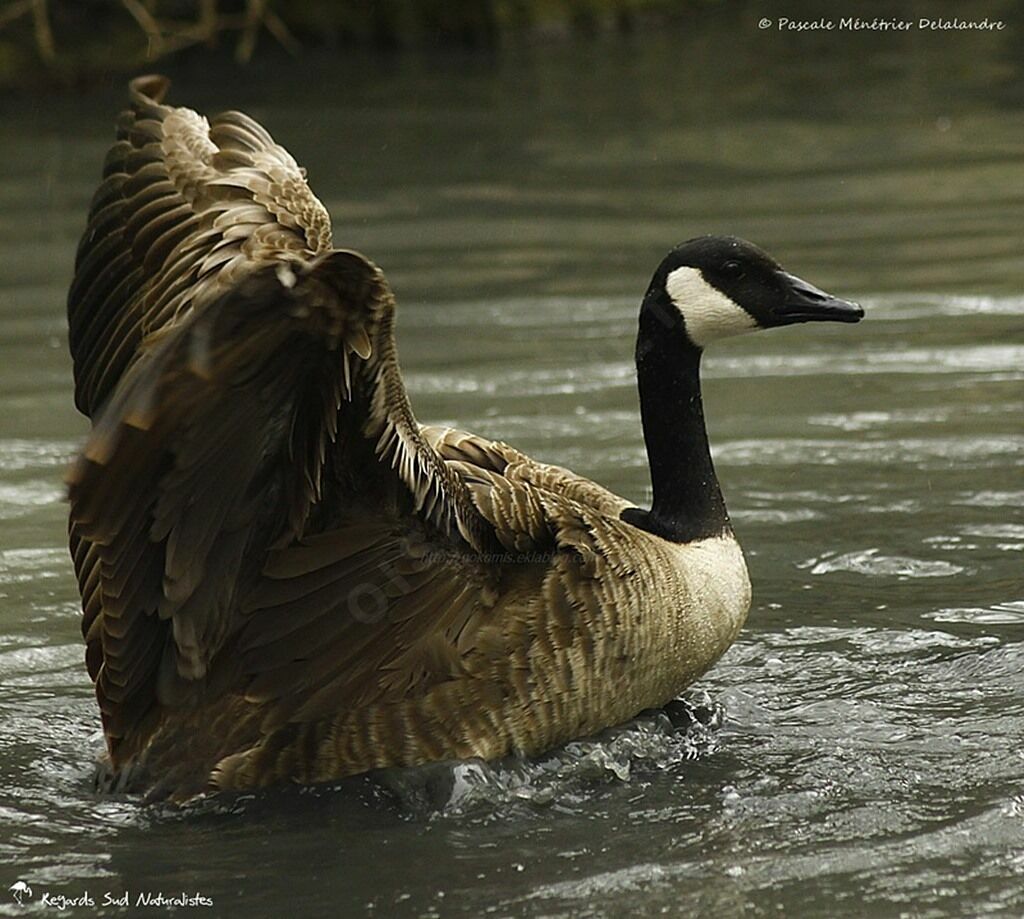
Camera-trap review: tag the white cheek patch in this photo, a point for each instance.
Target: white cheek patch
(707, 312)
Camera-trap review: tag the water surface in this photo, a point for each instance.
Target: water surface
(869, 760)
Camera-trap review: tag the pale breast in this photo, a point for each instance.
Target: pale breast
(716, 598)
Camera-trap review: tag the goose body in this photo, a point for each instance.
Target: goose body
(284, 576)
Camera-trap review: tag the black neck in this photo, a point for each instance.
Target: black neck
(688, 503)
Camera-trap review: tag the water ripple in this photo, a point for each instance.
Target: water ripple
(870, 562)
(1009, 613)
(986, 498)
(22, 499)
(924, 452)
(29, 565)
(865, 421)
(35, 454)
(995, 530)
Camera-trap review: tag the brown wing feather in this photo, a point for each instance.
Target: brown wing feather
(185, 212)
(333, 616)
(209, 452)
(185, 209)
(377, 609)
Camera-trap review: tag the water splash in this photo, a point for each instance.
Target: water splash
(684, 730)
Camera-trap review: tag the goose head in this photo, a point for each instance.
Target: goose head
(718, 286)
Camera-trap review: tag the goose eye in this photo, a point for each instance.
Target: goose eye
(732, 269)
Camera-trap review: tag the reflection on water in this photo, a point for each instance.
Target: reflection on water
(869, 758)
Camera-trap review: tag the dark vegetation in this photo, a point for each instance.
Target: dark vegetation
(70, 41)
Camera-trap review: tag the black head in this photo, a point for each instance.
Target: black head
(721, 285)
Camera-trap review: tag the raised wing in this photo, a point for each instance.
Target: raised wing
(245, 393)
(185, 210)
(210, 450)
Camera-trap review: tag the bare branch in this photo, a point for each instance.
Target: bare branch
(44, 35)
(277, 28)
(255, 14)
(149, 25)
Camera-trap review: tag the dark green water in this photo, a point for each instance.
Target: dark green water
(871, 760)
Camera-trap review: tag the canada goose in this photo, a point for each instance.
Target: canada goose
(284, 576)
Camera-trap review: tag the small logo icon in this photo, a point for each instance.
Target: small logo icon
(21, 892)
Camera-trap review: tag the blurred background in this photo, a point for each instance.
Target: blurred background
(519, 168)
